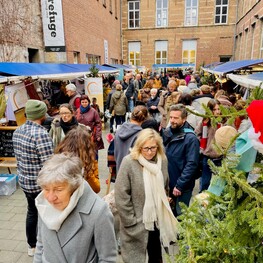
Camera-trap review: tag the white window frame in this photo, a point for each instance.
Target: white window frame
(76, 57)
(161, 46)
(134, 47)
(223, 4)
(134, 11)
(162, 13)
(189, 46)
(91, 58)
(191, 13)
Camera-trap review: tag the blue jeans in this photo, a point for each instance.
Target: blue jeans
(130, 104)
(31, 219)
(185, 198)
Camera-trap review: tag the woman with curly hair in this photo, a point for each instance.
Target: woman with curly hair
(78, 142)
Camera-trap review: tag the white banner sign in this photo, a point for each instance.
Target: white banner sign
(53, 25)
(106, 59)
(94, 89)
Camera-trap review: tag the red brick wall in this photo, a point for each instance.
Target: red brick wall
(87, 23)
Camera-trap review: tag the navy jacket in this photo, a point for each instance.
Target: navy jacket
(182, 151)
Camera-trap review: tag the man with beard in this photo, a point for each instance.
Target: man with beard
(182, 151)
(32, 147)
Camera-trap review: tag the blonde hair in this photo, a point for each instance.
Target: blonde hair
(182, 82)
(144, 136)
(118, 87)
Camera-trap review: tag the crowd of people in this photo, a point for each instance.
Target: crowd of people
(161, 143)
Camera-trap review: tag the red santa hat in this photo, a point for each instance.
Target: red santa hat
(255, 133)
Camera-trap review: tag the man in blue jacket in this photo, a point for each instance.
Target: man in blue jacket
(182, 151)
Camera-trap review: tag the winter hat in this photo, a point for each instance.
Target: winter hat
(71, 87)
(224, 135)
(255, 133)
(35, 109)
(116, 82)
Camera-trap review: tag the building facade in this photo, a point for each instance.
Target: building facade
(172, 31)
(249, 30)
(91, 32)
(137, 32)
(68, 31)
(21, 38)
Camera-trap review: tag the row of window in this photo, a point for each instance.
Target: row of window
(91, 58)
(161, 52)
(104, 2)
(191, 13)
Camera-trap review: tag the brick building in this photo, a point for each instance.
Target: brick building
(172, 31)
(91, 32)
(138, 32)
(249, 28)
(84, 31)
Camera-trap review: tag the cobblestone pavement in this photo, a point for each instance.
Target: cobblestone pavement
(13, 246)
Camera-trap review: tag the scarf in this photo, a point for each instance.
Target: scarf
(67, 126)
(157, 210)
(84, 110)
(204, 136)
(203, 140)
(52, 217)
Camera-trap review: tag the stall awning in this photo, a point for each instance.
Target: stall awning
(211, 66)
(49, 70)
(176, 65)
(118, 66)
(232, 66)
(247, 81)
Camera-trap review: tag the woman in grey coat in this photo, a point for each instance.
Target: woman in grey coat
(75, 225)
(140, 195)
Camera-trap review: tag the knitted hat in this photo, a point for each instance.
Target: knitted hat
(255, 133)
(224, 135)
(35, 109)
(71, 87)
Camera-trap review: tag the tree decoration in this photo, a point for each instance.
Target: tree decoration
(94, 71)
(227, 225)
(226, 228)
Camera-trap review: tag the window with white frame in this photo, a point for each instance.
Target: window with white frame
(161, 52)
(135, 53)
(191, 12)
(76, 55)
(134, 14)
(91, 58)
(189, 51)
(161, 13)
(114, 61)
(221, 11)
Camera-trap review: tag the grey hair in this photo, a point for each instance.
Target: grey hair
(180, 107)
(61, 168)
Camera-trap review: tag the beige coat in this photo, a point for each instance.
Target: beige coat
(129, 198)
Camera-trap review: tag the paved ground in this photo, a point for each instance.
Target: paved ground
(13, 246)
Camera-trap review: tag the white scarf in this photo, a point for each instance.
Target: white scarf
(156, 207)
(52, 217)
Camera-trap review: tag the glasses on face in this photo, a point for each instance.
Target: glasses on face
(147, 149)
(65, 113)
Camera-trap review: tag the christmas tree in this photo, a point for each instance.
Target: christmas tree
(227, 227)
